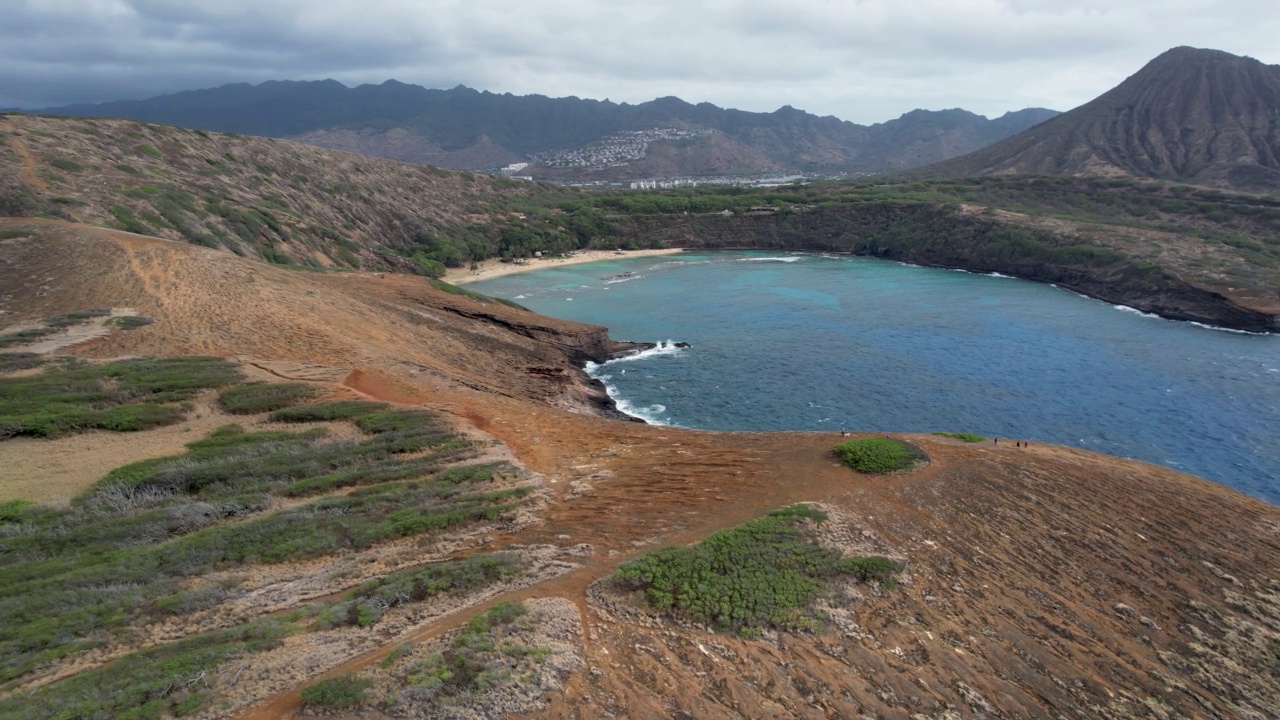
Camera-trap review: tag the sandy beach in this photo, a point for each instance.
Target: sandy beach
(496, 268)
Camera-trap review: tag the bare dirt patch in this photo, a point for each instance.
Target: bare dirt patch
(54, 471)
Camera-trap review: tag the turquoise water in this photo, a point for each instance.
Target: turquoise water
(810, 342)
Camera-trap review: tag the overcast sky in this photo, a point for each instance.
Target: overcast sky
(861, 60)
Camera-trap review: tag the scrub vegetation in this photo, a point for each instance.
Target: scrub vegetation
(344, 691)
(879, 455)
(51, 326)
(262, 397)
(967, 437)
(762, 574)
(483, 655)
(126, 551)
(167, 681)
(366, 604)
(125, 395)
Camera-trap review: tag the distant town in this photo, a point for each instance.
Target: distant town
(622, 148)
(614, 150)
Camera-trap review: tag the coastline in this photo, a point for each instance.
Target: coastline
(493, 268)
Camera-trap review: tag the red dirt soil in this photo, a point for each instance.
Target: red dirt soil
(1043, 581)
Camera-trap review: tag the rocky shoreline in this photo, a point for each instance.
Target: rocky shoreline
(939, 237)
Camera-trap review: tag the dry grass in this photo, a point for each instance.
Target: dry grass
(54, 471)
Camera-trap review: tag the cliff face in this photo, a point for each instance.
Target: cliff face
(946, 237)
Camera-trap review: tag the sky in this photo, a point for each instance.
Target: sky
(862, 60)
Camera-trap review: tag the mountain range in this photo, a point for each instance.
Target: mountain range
(1191, 115)
(231, 488)
(1197, 116)
(567, 138)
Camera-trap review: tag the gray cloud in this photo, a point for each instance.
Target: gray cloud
(863, 60)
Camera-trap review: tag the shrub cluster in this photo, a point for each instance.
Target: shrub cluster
(763, 573)
(260, 397)
(123, 395)
(12, 362)
(71, 578)
(483, 655)
(344, 691)
(166, 681)
(879, 455)
(366, 603)
(967, 437)
(328, 411)
(130, 322)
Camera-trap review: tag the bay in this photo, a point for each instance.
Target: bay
(814, 342)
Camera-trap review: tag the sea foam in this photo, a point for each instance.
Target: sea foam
(788, 259)
(649, 413)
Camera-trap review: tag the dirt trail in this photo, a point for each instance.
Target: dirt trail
(29, 164)
(1041, 580)
(649, 486)
(1018, 561)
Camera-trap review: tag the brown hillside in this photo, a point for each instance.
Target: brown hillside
(1040, 581)
(1198, 116)
(214, 303)
(257, 197)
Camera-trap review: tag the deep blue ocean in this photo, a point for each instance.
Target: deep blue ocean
(815, 342)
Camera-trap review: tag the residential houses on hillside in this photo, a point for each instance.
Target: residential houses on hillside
(615, 150)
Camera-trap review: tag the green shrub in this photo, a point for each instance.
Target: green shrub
(870, 569)
(76, 317)
(137, 416)
(479, 658)
(395, 656)
(328, 411)
(396, 420)
(66, 164)
(260, 397)
(52, 325)
(422, 583)
(967, 437)
(25, 337)
(12, 362)
(148, 684)
(130, 322)
(344, 691)
(762, 573)
(878, 455)
(123, 396)
(127, 222)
